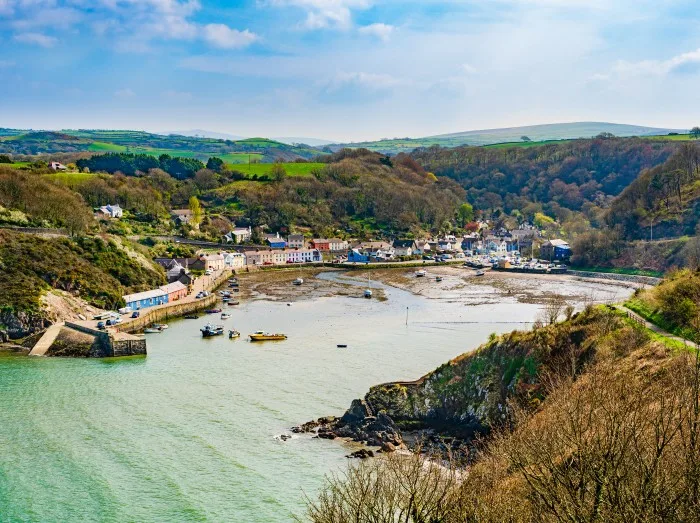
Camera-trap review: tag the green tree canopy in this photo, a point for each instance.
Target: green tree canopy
(465, 213)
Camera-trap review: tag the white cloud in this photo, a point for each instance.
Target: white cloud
(469, 69)
(321, 14)
(658, 67)
(124, 93)
(39, 39)
(381, 31)
(374, 81)
(220, 35)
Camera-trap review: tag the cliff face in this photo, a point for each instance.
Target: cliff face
(473, 392)
(20, 324)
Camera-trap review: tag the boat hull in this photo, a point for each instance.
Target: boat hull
(267, 337)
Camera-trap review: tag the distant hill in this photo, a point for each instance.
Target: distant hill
(203, 133)
(536, 133)
(23, 142)
(316, 142)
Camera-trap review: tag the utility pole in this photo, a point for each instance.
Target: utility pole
(407, 316)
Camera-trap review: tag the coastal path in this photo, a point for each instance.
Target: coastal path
(46, 340)
(649, 325)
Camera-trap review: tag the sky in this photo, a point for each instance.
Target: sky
(347, 70)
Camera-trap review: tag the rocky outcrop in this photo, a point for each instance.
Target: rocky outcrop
(472, 393)
(21, 324)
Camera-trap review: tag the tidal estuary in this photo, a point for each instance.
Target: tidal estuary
(190, 432)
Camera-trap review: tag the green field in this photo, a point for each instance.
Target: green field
(108, 147)
(239, 158)
(71, 179)
(292, 168)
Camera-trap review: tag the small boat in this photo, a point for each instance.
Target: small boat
(233, 334)
(191, 316)
(213, 311)
(438, 278)
(225, 316)
(341, 345)
(209, 330)
(266, 336)
(298, 281)
(232, 303)
(480, 272)
(420, 273)
(151, 330)
(225, 300)
(159, 326)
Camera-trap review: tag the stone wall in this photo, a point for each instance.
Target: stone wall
(632, 278)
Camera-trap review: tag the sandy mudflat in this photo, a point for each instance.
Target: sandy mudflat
(458, 285)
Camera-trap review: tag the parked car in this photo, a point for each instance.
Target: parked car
(110, 323)
(101, 325)
(427, 257)
(135, 314)
(208, 272)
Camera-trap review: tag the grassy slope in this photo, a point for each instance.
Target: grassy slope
(292, 168)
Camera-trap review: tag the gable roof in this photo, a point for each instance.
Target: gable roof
(173, 287)
(145, 295)
(404, 243)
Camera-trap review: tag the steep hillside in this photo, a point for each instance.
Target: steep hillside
(665, 198)
(532, 134)
(96, 270)
(572, 175)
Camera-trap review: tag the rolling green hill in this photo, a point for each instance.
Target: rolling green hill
(14, 141)
(512, 136)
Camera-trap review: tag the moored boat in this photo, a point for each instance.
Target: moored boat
(480, 272)
(420, 273)
(191, 316)
(213, 311)
(159, 326)
(151, 330)
(438, 278)
(225, 316)
(210, 330)
(298, 281)
(233, 333)
(266, 336)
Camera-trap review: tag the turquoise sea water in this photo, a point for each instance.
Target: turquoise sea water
(188, 433)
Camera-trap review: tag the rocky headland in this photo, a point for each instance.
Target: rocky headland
(474, 393)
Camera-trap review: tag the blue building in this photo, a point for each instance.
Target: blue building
(274, 241)
(555, 250)
(143, 300)
(354, 255)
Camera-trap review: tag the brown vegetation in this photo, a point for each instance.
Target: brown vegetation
(616, 440)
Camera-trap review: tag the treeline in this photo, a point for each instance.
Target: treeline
(133, 164)
(663, 197)
(574, 175)
(42, 202)
(356, 187)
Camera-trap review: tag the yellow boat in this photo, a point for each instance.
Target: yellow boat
(266, 336)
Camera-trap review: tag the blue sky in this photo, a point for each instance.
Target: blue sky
(347, 69)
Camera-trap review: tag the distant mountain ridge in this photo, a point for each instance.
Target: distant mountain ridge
(535, 133)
